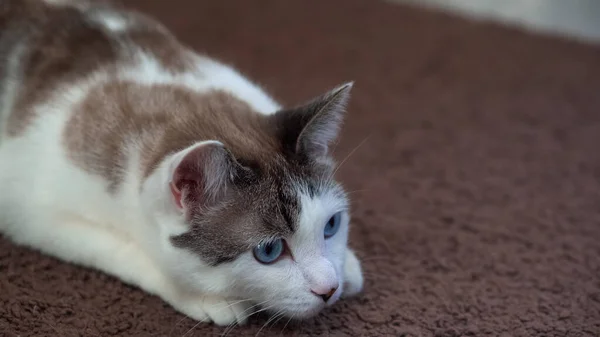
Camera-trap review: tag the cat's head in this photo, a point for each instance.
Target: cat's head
(264, 220)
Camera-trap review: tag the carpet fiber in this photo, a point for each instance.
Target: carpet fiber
(470, 161)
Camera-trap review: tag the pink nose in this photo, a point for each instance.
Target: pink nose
(325, 295)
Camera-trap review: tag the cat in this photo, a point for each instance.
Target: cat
(123, 150)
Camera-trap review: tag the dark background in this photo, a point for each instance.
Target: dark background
(476, 190)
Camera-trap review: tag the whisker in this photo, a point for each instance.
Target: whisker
(350, 154)
(178, 322)
(229, 328)
(233, 325)
(358, 191)
(268, 321)
(52, 326)
(335, 144)
(194, 327)
(181, 320)
(234, 303)
(231, 304)
(254, 306)
(199, 321)
(278, 319)
(286, 324)
(261, 310)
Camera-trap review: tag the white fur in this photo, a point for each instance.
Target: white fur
(209, 75)
(112, 21)
(50, 204)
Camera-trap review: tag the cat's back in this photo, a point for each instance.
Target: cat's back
(76, 75)
(52, 51)
(48, 47)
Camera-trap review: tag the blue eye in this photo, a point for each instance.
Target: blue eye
(333, 225)
(268, 252)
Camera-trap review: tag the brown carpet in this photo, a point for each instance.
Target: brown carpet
(476, 193)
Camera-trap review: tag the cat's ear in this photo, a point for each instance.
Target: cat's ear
(309, 129)
(201, 175)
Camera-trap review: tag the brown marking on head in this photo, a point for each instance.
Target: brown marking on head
(259, 160)
(65, 44)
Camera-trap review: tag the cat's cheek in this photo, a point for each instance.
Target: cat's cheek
(353, 276)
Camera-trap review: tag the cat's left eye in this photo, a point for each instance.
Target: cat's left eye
(269, 252)
(333, 225)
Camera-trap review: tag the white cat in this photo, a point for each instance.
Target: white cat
(125, 151)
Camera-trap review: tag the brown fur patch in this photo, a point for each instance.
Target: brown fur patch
(64, 44)
(61, 46)
(160, 44)
(158, 120)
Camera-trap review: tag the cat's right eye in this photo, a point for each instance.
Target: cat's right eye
(333, 225)
(269, 252)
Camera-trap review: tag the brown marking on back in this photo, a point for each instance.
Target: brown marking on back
(159, 120)
(61, 47)
(64, 44)
(158, 42)
(146, 34)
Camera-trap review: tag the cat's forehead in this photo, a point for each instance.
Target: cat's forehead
(295, 194)
(281, 186)
(295, 175)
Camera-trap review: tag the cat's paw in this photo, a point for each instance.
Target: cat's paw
(218, 310)
(353, 276)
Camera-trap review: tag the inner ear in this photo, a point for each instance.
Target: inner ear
(309, 129)
(202, 175)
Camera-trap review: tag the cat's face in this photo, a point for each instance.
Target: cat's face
(309, 273)
(269, 225)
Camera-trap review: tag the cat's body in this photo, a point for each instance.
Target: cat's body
(124, 151)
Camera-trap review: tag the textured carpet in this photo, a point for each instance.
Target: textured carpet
(476, 189)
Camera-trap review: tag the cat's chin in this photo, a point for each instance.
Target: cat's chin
(302, 311)
(301, 314)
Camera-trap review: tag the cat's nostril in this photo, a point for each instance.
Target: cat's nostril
(326, 296)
